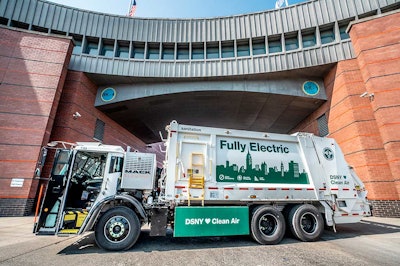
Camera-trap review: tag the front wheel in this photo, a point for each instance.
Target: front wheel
(117, 229)
(267, 225)
(306, 222)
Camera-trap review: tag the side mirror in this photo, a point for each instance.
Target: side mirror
(43, 157)
(41, 162)
(37, 172)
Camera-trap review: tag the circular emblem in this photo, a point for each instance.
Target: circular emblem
(108, 94)
(239, 178)
(328, 154)
(221, 177)
(310, 88)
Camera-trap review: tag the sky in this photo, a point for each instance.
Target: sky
(176, 8)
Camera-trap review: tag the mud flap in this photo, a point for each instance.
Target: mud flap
(159, 222)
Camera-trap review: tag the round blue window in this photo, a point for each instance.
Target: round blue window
(310, 88)
(108, 94)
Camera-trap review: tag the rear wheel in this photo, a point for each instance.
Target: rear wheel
(267, 225)
(117, 229)
(306, 222)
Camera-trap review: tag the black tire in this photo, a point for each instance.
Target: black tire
(267, 225)
(117, 229)
(306, 222)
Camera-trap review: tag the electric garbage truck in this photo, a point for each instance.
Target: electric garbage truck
(214, 182)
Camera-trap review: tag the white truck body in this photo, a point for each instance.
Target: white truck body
(214, 182)
(284, 168)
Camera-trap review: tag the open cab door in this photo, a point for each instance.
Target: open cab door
(50, 211)
(75, 183)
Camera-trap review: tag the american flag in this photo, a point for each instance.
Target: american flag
(132, 9)
(279, 3)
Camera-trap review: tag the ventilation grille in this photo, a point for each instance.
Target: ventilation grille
(323, 126)
(99, 130)
(139, 171)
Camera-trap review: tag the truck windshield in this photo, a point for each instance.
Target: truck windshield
(89, 163)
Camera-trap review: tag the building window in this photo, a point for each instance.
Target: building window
(153, 51)
(20, 25)
(227, 50)
(77, 40)
(342, 29)
(327, 35)
(107, 49)
(291, 42)
(343, 34)
(212, 51)
(92, 47)
(58, 32)
(182, 52)
(77, 47)
(323, 126)
(168, 52)
(99, 130)
(258, 46)
(389, 8)
(368, 14)
(308, 39)
(4, 21)
(243, 48)
(41, 29)
(275, 44)
(138, 50)
(122, 49)
(197, 51)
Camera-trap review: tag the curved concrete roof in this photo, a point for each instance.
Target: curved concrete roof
(289, 21)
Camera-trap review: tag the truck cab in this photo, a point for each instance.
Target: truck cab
(78, 175)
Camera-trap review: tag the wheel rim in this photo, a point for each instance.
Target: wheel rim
(116, 229)
(268, 224)
(308, 222)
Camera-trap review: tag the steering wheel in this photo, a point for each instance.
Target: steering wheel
(81, 177)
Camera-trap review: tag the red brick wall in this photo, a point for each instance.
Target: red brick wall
(368, 129)
(32, 72)
(377, 47)
(353, 125)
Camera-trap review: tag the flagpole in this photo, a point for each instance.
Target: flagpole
(130, 5)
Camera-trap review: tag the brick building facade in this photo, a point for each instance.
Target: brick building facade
(368, 128)
(38, 98)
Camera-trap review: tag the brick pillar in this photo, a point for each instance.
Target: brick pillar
(33, 67)
(377, 44)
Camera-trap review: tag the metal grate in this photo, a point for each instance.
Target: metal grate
(139, 163)
(323, 125)
(139, 171)
(99, 130)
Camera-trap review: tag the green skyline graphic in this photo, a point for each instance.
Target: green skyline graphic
(262, 173)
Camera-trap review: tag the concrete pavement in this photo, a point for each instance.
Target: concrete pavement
(372, 241)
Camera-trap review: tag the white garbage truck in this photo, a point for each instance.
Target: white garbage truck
(214, 182)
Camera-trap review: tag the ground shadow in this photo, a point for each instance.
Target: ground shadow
(360, 229)
(146, 243)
